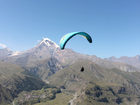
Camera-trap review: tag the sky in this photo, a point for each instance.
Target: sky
(114, 25)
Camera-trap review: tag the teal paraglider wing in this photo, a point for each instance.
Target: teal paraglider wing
(68, 36)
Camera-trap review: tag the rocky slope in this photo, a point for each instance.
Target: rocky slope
(6, 96)
(117, 87)
(105, 94)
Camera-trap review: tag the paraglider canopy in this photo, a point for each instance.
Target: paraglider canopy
(68, 36)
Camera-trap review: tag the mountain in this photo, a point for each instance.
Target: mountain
(14, 80)
(92, 72)
(44, 68)
(115, 86)
(19, 87)
(42, 51)
(46, 58)
(109, 64)
(48, 50)
(119, 82)
(134, 61)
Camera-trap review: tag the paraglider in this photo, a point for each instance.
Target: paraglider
(68, 36)
(82, 69)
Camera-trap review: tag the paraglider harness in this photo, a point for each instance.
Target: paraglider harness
(82, 69)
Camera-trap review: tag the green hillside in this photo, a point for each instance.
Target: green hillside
(95, 85)
(13, 80)
(61, 99)
(105, 94)
(36, 96)
(73, 80)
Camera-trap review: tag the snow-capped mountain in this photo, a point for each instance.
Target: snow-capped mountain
(39, 60)
(48, 50)
(46, 43)
(16, 53)
(42, 51)
(49, 43)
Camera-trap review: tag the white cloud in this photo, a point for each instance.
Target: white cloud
(3, 45)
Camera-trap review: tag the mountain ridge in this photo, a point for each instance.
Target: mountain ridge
(134, 61)
(47, 49)
(61, 68)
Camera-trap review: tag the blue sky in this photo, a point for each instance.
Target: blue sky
(113, 24)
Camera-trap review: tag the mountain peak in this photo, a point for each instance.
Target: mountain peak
(48, 42)
(47, 39)
(16, 53)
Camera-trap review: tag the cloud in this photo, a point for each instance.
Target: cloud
(3, 45)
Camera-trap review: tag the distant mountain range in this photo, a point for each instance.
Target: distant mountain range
(48, 49)
(45, 65)
(134, 61)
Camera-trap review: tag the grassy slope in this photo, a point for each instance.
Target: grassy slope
(72, 79)
(45, 96)
(13, 79)
(93, 72)
(36, 96)
(61, 99)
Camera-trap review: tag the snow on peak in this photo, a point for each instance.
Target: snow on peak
(47, 39)
(15, 53)
(49, 42)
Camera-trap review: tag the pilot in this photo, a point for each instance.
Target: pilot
(82, 69)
